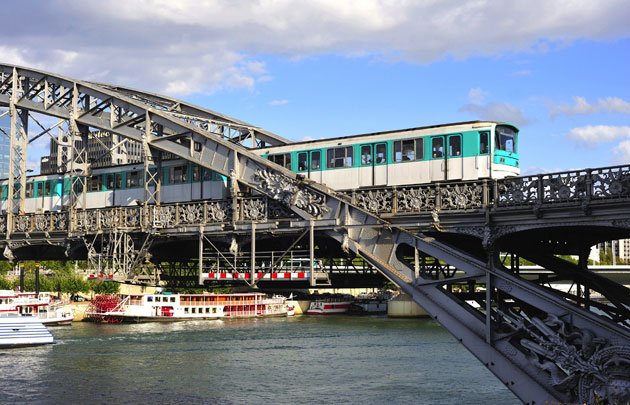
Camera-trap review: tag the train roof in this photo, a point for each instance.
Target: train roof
(394, 131)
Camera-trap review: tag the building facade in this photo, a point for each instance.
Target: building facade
(5, 143)
(103, 149)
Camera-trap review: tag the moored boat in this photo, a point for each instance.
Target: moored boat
(180, 307)
(329, 306)
(38, 305)
(18, 331)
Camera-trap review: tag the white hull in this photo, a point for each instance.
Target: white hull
(184, 307)
(23, 331)
(328, 307)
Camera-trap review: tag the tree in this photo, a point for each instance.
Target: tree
(104, 287)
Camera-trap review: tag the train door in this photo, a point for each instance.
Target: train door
(310, 164)
(454, 158)
(373, 167)
(438, 158)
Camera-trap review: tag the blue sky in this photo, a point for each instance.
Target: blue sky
(317, 69)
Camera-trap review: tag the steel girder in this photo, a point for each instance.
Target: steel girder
(197, 140)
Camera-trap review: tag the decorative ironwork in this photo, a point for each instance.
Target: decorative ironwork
(23, 223)
(217, 211)
(108, 219)
(564, 187)
(611, 182)
(190, 214)
(518, 191)
(86, 220)
(164, 215)
(132, 217)
(253, 209)
(291, 193)
(59, 221)
(377, 201)
(277, 210)
(3, 223)
(415, 199)
(579, 363)
(42, 222)
(461, 196)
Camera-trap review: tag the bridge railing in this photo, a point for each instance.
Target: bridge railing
(571, 187)
(574, 186)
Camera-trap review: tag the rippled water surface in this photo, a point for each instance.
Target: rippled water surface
(301, 360)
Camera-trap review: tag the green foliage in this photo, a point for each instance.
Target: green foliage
(5, 283)
(104, 287)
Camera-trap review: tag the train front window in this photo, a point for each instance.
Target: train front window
(505, 139)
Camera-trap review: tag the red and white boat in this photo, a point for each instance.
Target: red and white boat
(41, 305)
(329, 306)
(180, 307)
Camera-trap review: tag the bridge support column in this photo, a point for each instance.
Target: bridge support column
(253, 257)
(489, 291)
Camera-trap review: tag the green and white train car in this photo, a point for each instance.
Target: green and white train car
(450, 152)
(122, 185)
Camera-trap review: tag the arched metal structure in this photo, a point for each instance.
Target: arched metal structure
(545, 347)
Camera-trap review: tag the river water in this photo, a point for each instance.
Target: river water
(299, 360)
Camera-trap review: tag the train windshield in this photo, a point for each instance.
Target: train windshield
(506, 138)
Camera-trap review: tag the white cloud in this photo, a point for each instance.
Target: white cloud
(188, 46)
(622, 152)
(581, 106)
(279, 102)
(492, 111)
(594, 134)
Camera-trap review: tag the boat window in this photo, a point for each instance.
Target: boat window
(483, 143)
(172, 299)
(437, 146)
(380, 154)
(339, 157)
(366, 155)
(455, 145)
(149, 299)
(302, 161)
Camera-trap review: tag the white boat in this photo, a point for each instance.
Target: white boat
(17, 331)
(179, 307)
(329, 306)
(39, 305)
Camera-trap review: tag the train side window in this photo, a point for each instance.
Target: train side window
(302, 161)
(380, 155)
(29, 190)
(437, 145)
(94, 183)
(339, 157)
(133, 179)
(283, 159)
(408, 150)
(109, 182)
(47, 188)
(39, 189)
(455, 145)
(118, 181)
(207, 175)
(196, 173)
(366, 155)
(316, 160)
(484, 147)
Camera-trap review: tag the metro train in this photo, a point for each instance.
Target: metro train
(460, 151)
(450, 152)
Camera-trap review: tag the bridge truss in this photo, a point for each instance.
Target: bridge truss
(546, 346)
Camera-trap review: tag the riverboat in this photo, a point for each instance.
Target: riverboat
(117, 308)
(329, 306)
(18, 331)
(41, 305)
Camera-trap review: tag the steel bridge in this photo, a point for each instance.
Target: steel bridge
(443, 244)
